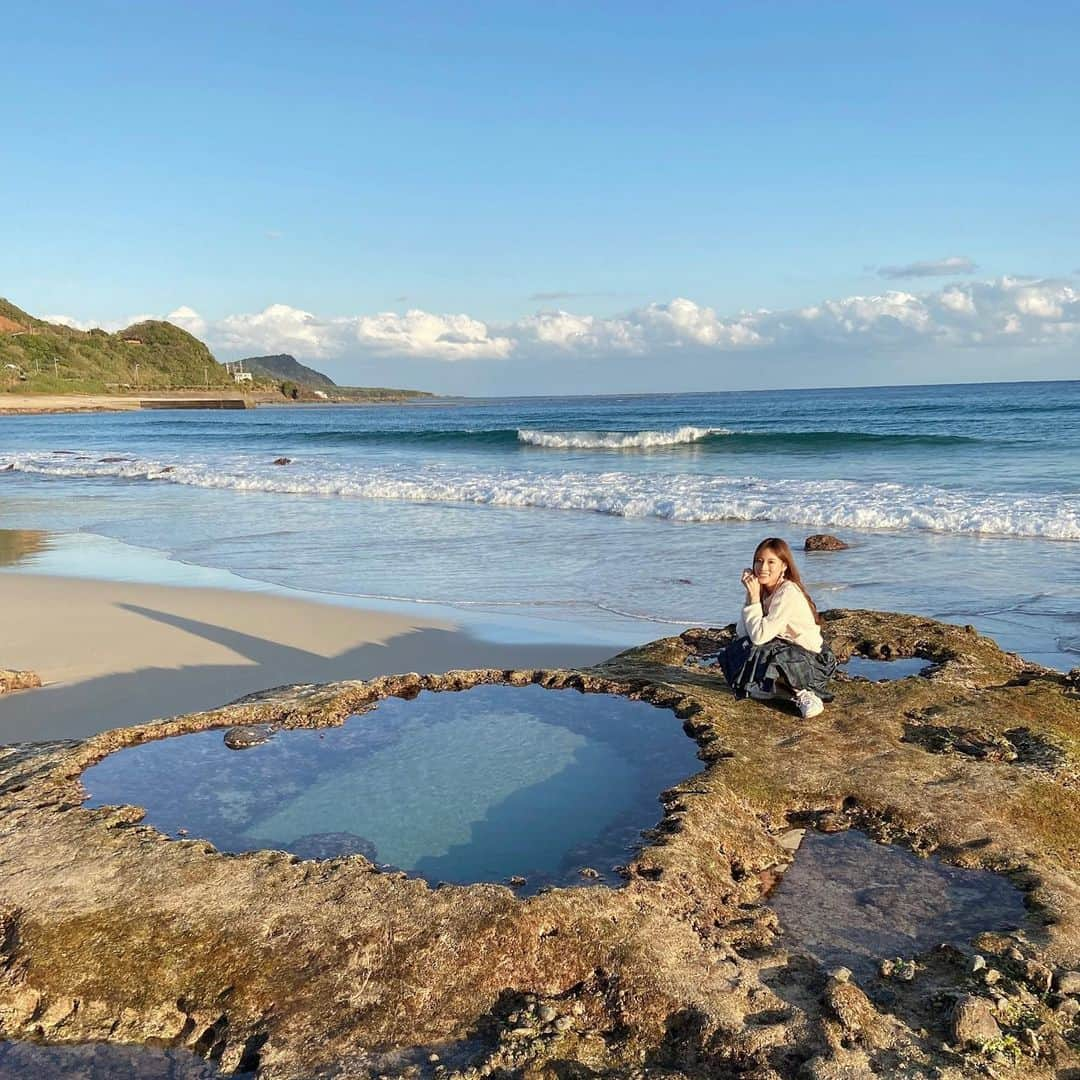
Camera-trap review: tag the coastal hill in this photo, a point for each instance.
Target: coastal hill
(39, 358)
(284, 366)
(42, 357)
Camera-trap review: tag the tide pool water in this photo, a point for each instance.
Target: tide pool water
(620, 516)
(475, 785)
(849, 901)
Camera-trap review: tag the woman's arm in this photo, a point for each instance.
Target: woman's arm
(784, 608)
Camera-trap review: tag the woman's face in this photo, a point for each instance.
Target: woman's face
(769, 568)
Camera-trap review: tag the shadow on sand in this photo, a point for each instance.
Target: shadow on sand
(78, 710)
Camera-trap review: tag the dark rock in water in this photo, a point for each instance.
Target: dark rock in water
(113, 460)
(973, 1023)
(242, 738)
(824, 542)
(283, 461)
(332, 845)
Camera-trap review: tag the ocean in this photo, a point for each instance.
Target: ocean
(613, 519)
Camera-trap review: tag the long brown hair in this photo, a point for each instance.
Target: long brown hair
(781, 550)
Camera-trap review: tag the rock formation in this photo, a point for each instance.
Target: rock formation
(824, 542)
(17, 680)
(110, 931)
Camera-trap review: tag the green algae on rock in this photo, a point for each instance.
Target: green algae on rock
(110, 931)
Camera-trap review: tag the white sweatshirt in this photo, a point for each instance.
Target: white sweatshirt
(788, 616)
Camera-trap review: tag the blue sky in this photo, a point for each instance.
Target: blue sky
(491, 162)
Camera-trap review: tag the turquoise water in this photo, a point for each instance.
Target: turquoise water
(467, 786)
(618, 517)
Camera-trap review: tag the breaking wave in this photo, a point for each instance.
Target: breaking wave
(684, 498)
(615, 440)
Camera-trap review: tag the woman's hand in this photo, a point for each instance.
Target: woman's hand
(752, 586)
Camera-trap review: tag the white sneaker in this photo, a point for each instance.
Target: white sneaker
(810, 705)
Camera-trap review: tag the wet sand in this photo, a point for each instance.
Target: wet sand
(113, 654)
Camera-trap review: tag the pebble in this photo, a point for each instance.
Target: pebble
(973, 1024)
(978, 962)
(1069, 1008)
(547, 1014)
(564, 1023)
(791, 840)
(523, 1032)
(1067, 982)
(433, 1058)
(1038, 976)
(589, 872)
(840, 974)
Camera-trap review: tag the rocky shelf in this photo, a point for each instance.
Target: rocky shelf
(262, 962)
(17, 680)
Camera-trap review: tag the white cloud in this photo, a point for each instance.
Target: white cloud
(278, 328)
(70, 321)
(109, 325)
(187, 319)
(951, 264)
(421, 334)
(1009, 311)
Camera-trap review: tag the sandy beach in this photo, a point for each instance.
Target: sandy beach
(29, 404)
(113, 654)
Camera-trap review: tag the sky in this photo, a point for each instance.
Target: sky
(555, 197)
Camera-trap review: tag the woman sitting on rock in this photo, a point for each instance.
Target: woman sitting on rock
(778, 650)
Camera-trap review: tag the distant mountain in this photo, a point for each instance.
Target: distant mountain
(39, 356)
(284, 366)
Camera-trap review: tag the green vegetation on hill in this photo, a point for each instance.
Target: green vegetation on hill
(41, 357)
(38, 357)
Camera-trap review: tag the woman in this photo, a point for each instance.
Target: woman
(778, 650)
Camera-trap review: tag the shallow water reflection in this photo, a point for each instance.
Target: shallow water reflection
(879, 670)
(101, 1061)
(19, 545)
(467, 786)
(849, 900)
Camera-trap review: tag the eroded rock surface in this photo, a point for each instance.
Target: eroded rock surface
(110, 931)
(824, 542)
(17, 680)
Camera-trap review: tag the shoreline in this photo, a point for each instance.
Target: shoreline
(60, 404)
(113, 654)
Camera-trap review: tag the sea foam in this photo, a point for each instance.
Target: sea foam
(615, 440)
(684, 498)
